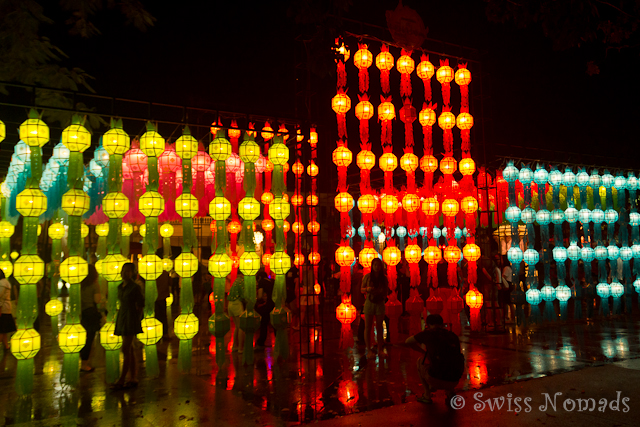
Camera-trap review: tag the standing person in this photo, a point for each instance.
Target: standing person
(505, 292)
(163, 283)
(235, 307)
(7, 324)
(376, 286)
(128, 323)
(308, 297)
(90, 317)
(442, 365)
(264, 305)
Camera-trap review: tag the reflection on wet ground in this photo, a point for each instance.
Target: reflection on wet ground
(305, 388)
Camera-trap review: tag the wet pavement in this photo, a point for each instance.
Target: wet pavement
(305, 388)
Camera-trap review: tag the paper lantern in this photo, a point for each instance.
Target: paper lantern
(343, 202)
(601, 253)
(626, 253)
(187, 205)
(512, 214)
(279, 209)
(342, 156)
(266, 198)
(186, 326)
(298, 227)
(53, 307)
(279, 153)
(166, 230)
(452, 254)
(31, 202)
(150, 267)
(75, 138)
(248, 208)
(471, 252)
(559, 254)
(412, 254)
(427, 117)
(116, 141)
(447, 120)
(233, 163)
(346, 313)
(7, 267)
(636, 285)
(34, 132)
(384, 61)
(84, 230)
(56, 230)
(75, 202)
(112, 267)
(388, 162)
(314, 258)
(234, 227)
(365, 159)
(430, 206)
(448, 165)
(312, 169)
(386, 111)
(367, 203)
(464, 121)
(249, 263)
(363, 58)
(268, 224)
(528, 215)
(169, 161)
(515, 255)
(543, 217)
(450, 207)
(115, 205)
(531, 257)
(406, 64)
(474, 298)
(28, 269)
(603, 290)
(534, 297)
(610, 216)
(563, 293)
(389, 204)
(344, 256)
(25, 344)
(364, 110)
(597, 216)
(151, 331)
(573, 252)
(74, 269)
(445, 74)
(187, 146)
(102, 230)
(411, 202)
(467, 166)
(220, 265)
(616, 289)
(186, 264)
(548, 293)
(167, 264)
(340, 103)
(249, 151)
(469, 205)
(613, 252)
(297, 168)
(280, 262)
(313, 227)
(7, 229)
(219, 208)
(634, 219)
(463, 76)
(587, 254)
(409, 162)
(151, 204)
(391, 255)
(71, 338)
(152, 143)
(607, 180)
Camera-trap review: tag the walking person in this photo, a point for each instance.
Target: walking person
(376, 285)
(7, 324)
(235, 307)
(90, 316)
(264, 305)
(128, 323)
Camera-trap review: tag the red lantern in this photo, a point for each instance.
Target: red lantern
(427, 116)
(412, 254)
(425, 70)
(342, 156)
(341, 103)
(471, 252)
(389, 204)
(406, 64)
(312, 200)
(366, 257)
(268, 224)
(409, 162)
(469, 205)
(410, 202)
(464, 121)
(432, 255)
(364, 109)
(297, 199)
(266, 198)
(366, 159)
(386, 112)
(467, 166)
(298, 168)
(450, 207)
(384, 60)
(391, 255)
(388, 162)
(298, 259)
(343, 202)
(297, 227)
(463, 76)
(428, 163)
(312, 169)
(367, 203)
(286, 226)
(474, 298)
(267, 132)
(452, 254)
(445, 74)
(313, 227)
(448, 165)
(363, 58)
(430, 206)
(314, 258)
(266, 258)
(234, 227)
(346, 312)
(447, 120)
(345, 256)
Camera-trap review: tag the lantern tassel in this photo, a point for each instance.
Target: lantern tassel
(24, 376)
(70, 369)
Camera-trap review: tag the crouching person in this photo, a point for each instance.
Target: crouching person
(442, 365)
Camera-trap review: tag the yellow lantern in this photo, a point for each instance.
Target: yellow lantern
(343, 202)
(386, 111)
(187, 205)
(3, 131)
(280, 262)
(75, 202)
(169, 300)
(388, 162)
(427, 117)
(432, 255)
(342, 156)
(53, 307)
(187, 147)
(186, 326)
(463, 76)
(450, 207)
(74, 269)
(411, 202)
(312, 200)
(467, 166)
(428, 163)
(31, 202)
(312, 169)
(249, 208)
(297, 227)
(84, 230)
(108, 339)
(389, 204)
(127, 229)
(249, 263)
(25, 344)
(367, 203)
(102, 230)
(115, 205)
(366, 257)
(166, 230)
(151, 331)
(279, 209)
(364, 110)
(469, 205)
(151, 204)
(219, 149)
(471, 252)
(186, 264)
(448, 165)
(425, 70)
(313, 227)
(445, 74)
(391, 255)
(219, 208)
(167, 264)
(34, 132)
(366, 159)
(363, 58)
(409, 162)
(412, 254)
(98, 266)
(152, 144)
(452, 254)
(447, 120)
(464, 121)
(384, 61)
(28, 269)
(341, 103)
(116, 141)
(7, 229)
(249, 151)
(112, 267)
(279, 153)
(7, 268)
(76, 138)
(430, 206)
(344, 256)
(406, 64)
(72, 338)
(150, 267)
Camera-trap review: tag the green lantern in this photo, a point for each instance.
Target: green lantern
(278, 153)
(112, 267)
(249, 208)
(249, 151)
(72, 338)
(151, 331)
(31, 202)
(75, 202)
(187, 205)
(152, 203)
(220, 208)
(279, 209)
(152, 143)
(25, 344)
(76, 138)
(186, 264)
(115, 205)
(249, 263)
(28, 269)
(220, 148)
(116, 141)
(34, 132)
(186, 326)
(108, 339)
(280, 263)
(150, 267)
(220, 265)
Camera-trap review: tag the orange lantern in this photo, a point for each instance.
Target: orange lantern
(450, 207)
(467, 166)
(234, 133)
(266, 198)
(428, 163)
(388, 162)
(298, 259)
(298, 227)
(366, 257)
(474, 298)
(267, 132)
(234, 227)
(389, 204)
(386, 111)
(297, 199)
(286, 226)
(312, 200)
(342, 156)
(367, 203)
(412, 254)
(266, 258)
(447, 120)
(430, 206)
(363, 58)
(364, 110)
(471, 252)
(343, 202)
(299, 136)
(268, 165)
(313, 137)
(452, 254)
(427, 117)
(463, 76)
(384, 61)
(469, 205)
(312, 169)
(285, 168)
(410, 202)
(391, 255)
(314, 258)
(341, 103)
(345, 256)
(313, 227)
(425, 70)
(406, 64)
(366, 159)
(445, 74)
(268, 224)
(285, 197)
(346, 312)
(448, 165)
(432, 255)
(297, 168)
(464, 121)
(409, 162)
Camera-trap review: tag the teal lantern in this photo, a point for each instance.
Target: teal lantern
(632, 182)
(555, 178)
(582, 179)
(528, 215)
(557, 216)
(636, 251)
(571, 214)
(525, 176)
(573, 252)
(531, 256)
(534, 296)
(601, 253)
(613, 252)
(436, 233)
(541, 176)
(563, 293)
(559, 254)
(514, 254)
(616, 289)
(548, 293)
(636, 285)
(375, 230)
(402, 231)
(510, 173)
(595, 181)
(610, 216)
(620, 183)
(597, 216)
(607, 180)
(543, 217)
(512, 214)
(603, 290)
(584, 215)
(634, 219)
(569, 178)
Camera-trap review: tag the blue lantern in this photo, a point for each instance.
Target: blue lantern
(541, 176)
(588, 254)
(510, 173)
(61, 154)
(525, 176)
(531, 256)
(634, 219)
(514, 255)
(573, 252)
(555, 179)
(414, 234)
(375, 230)
(601, 253)
(548, 293)
(557, 216)
(563, 293)
(436, 233)
(401, 231)
(444, 232)
(597, 216)
(465, 232)
(528, 215)
(423, 231)
(607, 180)
(351, 232)
(613, 252)
(620, 183)
(632, 182)
(543, 217)
(636, 285)
(626, 253)
(582, 179)
(571, 214)
(512, 214)
(569, 178)
(595, 181)
(610, 216)
(616, 289)
(361, 232)
(584, 215)
(457, 233)
(534, 297)
(636, 251)
(603, 290)
(559, 254)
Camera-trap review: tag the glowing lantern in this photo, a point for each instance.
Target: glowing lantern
(268, 224)
(297, 199)
(548, 293)
(248, 208)
(345, 256)
(249, 151)
(474, 298)
(471, 252)
(448, 165)
(168, 161)
(115, 205)
(515, 255)
(469, 205)
(25, 344)
(28, 269)
(84, 230)
(366, 159)
(72, 338)
(279, 153)
(389, 204)
(75, 138)
(267, 132)
(150, 267)
(467, 166)
(367, 203)
(187, 206)
(409, 162)
(384, 61)
(430, 206)
(219, 208)
(363, 58)
(425, 70)
(127, 229)
(531, 256)
(366, 257)
(297, 168)
(445, 74)
(406, 64)
(427, 117)
(167, 264)
(75, 202)
(31, 202)
(74, 269)
(364, 110)
(386, 111)
(452, 254)
(112, 267)
(151, 204)
(266, 198)
(340, 103)
(450, 207)
(298, 227)
(343, 202)
(432, 255)
(313, 227)
(463, 76)
(464, 121)
(428, 164)
(603, 290)
(166, 230)
(388, 162)
(53, 307)
(186, 264)
(616, 289)
(186, 326)
(312, 169)
(447, 120)
(280, 262)
(7, 229)
(56, 230)
(412, 254)
(234, 227)
(151, 331)
(342, 156)
(280, 210)
(534, 296)
(312, 200)
(152, 143)
(346, 312)
(249, 263)
(391, 255)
